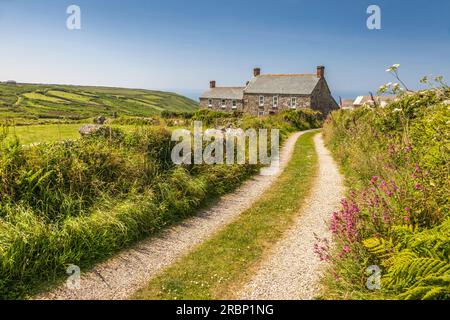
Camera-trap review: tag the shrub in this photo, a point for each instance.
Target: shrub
(137, 121)
(172, 114)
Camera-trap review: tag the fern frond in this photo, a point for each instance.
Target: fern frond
(379, 246)
(431, 288)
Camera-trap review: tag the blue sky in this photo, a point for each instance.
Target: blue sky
(181, 45)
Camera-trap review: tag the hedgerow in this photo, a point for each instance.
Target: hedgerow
(77, 202)
(396, 215)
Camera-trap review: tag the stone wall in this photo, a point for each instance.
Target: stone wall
(322, 100)
(217, 105)
(251, 103)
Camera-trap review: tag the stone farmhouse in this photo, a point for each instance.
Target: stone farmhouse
(371, 101)
(267, 94)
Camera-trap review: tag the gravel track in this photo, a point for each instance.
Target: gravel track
(292, 270)
(122, 275)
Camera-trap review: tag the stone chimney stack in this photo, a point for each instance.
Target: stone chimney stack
(212, 84)
(256, 72)
(320, 72)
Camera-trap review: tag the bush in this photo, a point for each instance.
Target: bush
(172, 114)
(137, 121)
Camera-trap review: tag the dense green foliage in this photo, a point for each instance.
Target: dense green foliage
(26, 103)
(397, 213)
(285, 121)
(75, 202)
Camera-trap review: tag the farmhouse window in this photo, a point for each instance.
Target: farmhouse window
(275, 102)
(260, 112)
(224, 104)
(293, 102)
(210, 102)
(234, 104)
(261, 101)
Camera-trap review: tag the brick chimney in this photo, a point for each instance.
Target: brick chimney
(320, 72)
(212, 84)
(256, 72)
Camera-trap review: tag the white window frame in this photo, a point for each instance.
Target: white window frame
(294, 102)
(234, 104)
(261, 113)
(224, 103)
(210, 103)
(261, 101)
(275, 98)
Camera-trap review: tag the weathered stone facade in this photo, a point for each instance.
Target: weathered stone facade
(270, 94)
(230, 105)
(252, 103)
(322, 100)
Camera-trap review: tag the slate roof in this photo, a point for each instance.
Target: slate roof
(234, 93)
(302, 84)
(347, 103)
(368, 100)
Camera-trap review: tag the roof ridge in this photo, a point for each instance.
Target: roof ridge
(289, 74)
(227, 88)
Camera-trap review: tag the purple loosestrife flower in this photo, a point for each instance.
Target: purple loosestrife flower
(345, 251)
(418, 186)
(388, 188)
(407, 217)
(334, 223)
(417, 168)
(394, 186)
(344, 222)
(322, 249)
(408, 148)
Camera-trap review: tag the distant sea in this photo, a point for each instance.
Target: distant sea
(190, 93)
(349, 94)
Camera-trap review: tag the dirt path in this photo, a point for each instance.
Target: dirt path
(122, 275)
(291, 271)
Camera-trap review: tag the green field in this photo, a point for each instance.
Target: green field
(52, 132)
(36, 104)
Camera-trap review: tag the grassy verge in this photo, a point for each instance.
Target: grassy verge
(396, 215)
(213, 269)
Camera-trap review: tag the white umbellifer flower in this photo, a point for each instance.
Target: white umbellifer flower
(393, 68)
(397, 110)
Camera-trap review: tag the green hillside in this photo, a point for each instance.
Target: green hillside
(61, 102)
